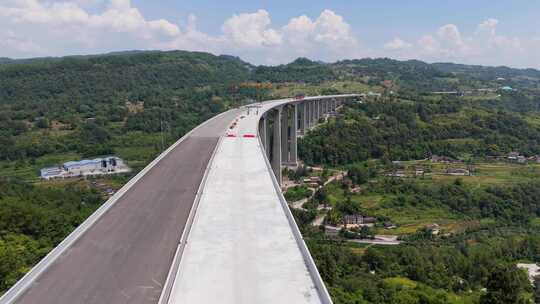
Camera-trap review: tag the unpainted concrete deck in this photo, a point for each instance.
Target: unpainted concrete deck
(241, 248)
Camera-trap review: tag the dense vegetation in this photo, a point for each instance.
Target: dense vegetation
(33, 219)
(425, 272)
(401, 131)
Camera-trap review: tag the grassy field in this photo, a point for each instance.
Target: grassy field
(400, 282)
(290, 89)
(29, 170)
(137, 148)
(406, 283)
(485, 173)
(297, 193)
(532, 118)
(410, 218)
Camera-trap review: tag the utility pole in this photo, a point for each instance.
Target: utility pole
(161, 126)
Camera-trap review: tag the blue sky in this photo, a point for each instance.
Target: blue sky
(274, 32)
(366, 16)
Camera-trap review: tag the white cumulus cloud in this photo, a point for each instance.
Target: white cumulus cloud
(397, 44)
(251, 30)
(483, 45)
(329, 36)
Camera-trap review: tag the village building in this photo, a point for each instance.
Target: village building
(135, 106)
(516, 157)
(389, 225)
(507, 89)
(398, 173)
(443, 159)
(85, 167)
(458, 171)
(357, 220)
(51, 173)
(356, 190)
(534, 159)
(57, 125)
(434, 228)
(312, 181)
(532, 270)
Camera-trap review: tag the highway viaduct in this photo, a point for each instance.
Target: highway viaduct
(205, 222)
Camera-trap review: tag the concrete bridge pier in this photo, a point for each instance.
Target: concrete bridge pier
(300, 118)
(310, 115)
(280, 127)
(305, 118)
(285, 123)
(289, 128)
(294, 140)
(318, 103)
(315, 113)
(262, 131)
(293, 148)
(276, 143)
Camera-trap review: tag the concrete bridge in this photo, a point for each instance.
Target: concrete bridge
(205, 222)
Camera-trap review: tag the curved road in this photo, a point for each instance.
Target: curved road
(125, 256)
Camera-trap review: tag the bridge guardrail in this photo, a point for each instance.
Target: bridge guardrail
(175, 265)
(310, 263)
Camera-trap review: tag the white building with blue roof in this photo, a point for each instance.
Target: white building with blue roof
(52, 172)
(85, 167)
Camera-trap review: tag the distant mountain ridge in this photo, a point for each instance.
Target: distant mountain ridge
(303, 61)
(498, 71)
(137, 73)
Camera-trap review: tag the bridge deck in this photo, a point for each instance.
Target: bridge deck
(241, 248)
(126, 255)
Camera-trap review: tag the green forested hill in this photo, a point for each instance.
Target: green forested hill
(103, 79)
(300, 70)
(486, 72)
(87, 77)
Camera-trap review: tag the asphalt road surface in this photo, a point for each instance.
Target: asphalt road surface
(125, 256)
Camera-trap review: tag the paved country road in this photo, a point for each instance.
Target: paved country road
(126, 255)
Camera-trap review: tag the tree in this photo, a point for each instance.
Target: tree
(536, 293)
(320, 196)
(505, 286)
(43, 123)
(94, 134)
(357, 175)
(366, 232)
